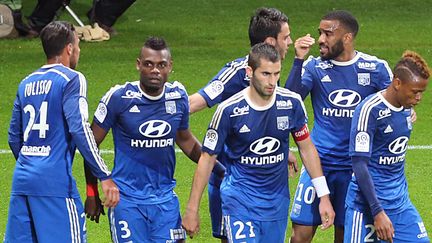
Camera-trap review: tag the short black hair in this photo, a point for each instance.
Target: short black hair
(262, 51)
(345, 18)
(56, 36)
(156, 43)
(265, 23)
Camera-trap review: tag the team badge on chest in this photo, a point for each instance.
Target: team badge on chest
(170, 107)
(282, 123)
(363, 79)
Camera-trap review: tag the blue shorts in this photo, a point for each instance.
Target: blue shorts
(243, 229)
(45, 219)
(215, 207)
(408, 227)
(131, 222)
(305, 208)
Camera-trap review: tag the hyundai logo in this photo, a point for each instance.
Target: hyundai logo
(265, 145)
(155, 128)
(344, 98)
(399, 145)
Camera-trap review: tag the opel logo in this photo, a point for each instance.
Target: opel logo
(265, 145)
(344, 98)
(155, 128)
(399, 145)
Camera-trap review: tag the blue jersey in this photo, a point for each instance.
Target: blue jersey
(230, 80)
(381, 132)
(144, 130)
(256, 141)
(49, 120)
(336, 88)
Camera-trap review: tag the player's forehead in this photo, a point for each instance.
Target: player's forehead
(148, 54)
(268, 66)
(329, 25)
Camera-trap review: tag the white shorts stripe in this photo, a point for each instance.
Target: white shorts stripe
(70, 221)
(112, 226)
(73, 220)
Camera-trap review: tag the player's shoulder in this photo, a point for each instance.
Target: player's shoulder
(286, 94)
(317, 62)
(238, 62)
(175, 90)
(56, 71)
(372, 104)
(232, 102)
(128, 90)
(370, 62)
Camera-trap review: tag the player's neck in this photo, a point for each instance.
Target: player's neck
(390, 96)
(346, 55)
(257, 99)
(58, 60)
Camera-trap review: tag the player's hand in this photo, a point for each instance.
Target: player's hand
(93, 208)
(111, 192)
(292, 164)
(303, 45)
(384, 227)
(326, 212)
(191, 222)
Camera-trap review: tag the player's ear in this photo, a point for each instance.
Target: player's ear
(170, 65)
(138, 63)
(249, 71)
(270, 40)
(397, 83)
(69, 49)
(348, 37)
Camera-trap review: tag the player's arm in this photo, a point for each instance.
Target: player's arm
(15, 134)
(382, 223)
(311, 161)
(190, 145)
(76, 115)
(196, 103)
(93, 206)
(190, 220)
(294, 81)
(363, 129)
(297, 81)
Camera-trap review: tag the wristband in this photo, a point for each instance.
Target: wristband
(92, 190)
(320, 185)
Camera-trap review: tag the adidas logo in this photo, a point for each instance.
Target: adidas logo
(134, 109)
(326, 79)
(244, 129)
(388, 129)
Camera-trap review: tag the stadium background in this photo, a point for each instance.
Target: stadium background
(203, 36)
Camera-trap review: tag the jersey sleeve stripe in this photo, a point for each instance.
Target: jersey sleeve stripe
(365, 112)
(227, 74)
(93, 147)
(106, 98)
(87, 130)
(83, 85)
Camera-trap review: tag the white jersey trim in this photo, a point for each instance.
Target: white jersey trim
(347, 63)
(217, 116)
(229, 72)
(365, 112)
